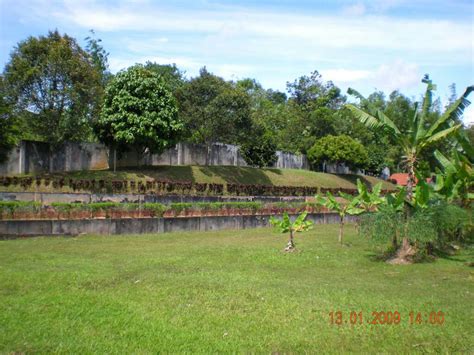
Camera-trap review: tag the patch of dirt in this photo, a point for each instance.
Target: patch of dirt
(405, 255)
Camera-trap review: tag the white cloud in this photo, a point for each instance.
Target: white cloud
(357, 9)
(325, 31)
(345, 75)
(273, 46)
(468, 117)
(397, 75)
(232, 71)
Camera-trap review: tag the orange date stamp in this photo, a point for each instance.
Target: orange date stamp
(386, 318)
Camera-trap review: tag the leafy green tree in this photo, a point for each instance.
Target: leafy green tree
(139, 112)
(310, 92)
(259, 150)
(300, 224)
(53, 78)
(9, 130)
(347, 207)
(419, 135)
(311, 112)
(172, 77)
(99, 56)
(270, 111)
(214, 110)
(339, 150)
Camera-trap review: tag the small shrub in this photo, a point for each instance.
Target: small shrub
(10, 207)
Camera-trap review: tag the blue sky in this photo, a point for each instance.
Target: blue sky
(365, 44)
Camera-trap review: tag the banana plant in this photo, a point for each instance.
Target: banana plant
(420, 134)
(422, 194)
(369, 200)
(396, 201)
(285, 225)
(456, 179)
(349, 206)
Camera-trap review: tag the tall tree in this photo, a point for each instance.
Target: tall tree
(173, 78)
(259, 150)
(99, 56)
(214, 110)
(313, 108)
(53, 78)
(9, 130)
(139, 112)
(338, 150)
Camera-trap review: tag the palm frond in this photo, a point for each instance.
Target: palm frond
(454, 112)
(300, 218)
(465, 145)
(357, 94)
(443, 161)
(428, 99)
(377, 189)
(439, 135)
(378, 122)
(419, 124)
(387, 121)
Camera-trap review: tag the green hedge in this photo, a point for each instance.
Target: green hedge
(157, 208)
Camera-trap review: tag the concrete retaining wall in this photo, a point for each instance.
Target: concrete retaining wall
(46, 198)
(34, 157)
(195, 154)
(145, 225)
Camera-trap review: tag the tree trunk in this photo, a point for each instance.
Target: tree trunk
(208, 153)
(411, 178)
(115, 160)
(341, 228)
(291, 245)
(50, 159)
(405, 253)
(395, 240)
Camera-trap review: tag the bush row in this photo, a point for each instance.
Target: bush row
(8, 208)
(169, 187)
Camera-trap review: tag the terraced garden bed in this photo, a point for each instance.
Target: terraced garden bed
(21, 210)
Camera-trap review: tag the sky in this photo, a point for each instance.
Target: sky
(365, 44)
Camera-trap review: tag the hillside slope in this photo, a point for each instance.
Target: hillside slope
(224, 175)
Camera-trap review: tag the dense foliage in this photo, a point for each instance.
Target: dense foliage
(338, 150)
(9, 131)
(51, 80)
(214, 110)
(421, 129)
(259, 150)
(139, 112)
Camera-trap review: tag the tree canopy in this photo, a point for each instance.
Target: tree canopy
(214, 110)
(9, 130)
(54, 80)
(139, 112)
(339, 150)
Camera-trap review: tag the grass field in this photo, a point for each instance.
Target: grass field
(225, 291)
(220, 175)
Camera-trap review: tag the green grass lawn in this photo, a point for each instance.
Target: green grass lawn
(224, 291)
(218, 174)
